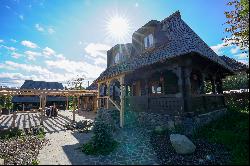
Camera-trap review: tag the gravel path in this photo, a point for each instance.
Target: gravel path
(63, 149)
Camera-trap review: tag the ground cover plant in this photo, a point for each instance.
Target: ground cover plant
(21, 146)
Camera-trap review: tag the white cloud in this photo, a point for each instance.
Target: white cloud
(16, 55)
(32, 55)
(29, 44)
(21, 17)
(99, 61)
(235, 49)
(60, 56)
(51, 30)
(75, 67)
(47, 73)
(39, 28)
(136, 4)
(1, 40)
(48, 51)
(8, 48)
(13, 40)
(218, 48)
(241, 56)
(97, 50)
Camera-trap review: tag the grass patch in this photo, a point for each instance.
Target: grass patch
(231, 130)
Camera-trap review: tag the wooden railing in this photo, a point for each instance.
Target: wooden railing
(162, 104)
(104, 102)
(207, 102)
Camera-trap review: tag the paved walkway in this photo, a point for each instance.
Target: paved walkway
(64, 149)
(26, 120)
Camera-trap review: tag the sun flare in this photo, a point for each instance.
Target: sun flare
(118, 28)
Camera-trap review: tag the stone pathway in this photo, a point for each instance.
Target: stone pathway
(64, 149)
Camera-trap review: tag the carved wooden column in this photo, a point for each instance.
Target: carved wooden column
(186, 88)
(203, 76)
(122, 101)
(213, 85)
(180, 81)
(108, 93)
(98, 95)
(219, 86)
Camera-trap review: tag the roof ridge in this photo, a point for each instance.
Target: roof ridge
(175, 14)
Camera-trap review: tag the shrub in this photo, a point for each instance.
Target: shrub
(102, 141)
(161, 130)
(81, 126)
(10, 133)
(35, 162)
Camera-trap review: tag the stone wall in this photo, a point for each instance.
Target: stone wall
(149, 120)
(186, 124)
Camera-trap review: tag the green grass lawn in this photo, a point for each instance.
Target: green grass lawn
(232, 130)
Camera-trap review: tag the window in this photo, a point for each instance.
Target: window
(118, 57)
(156, 88)
(148, 41)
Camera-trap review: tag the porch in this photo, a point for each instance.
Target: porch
(180, 87)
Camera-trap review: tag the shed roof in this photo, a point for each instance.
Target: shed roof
(181, 41)
(30, 84)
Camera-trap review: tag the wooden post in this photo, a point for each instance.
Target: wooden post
(74, 107)
(67, 103)
(78, 103)
(108, 90)
(98, 95)
(122, 102)
(186, 85)
(14, 115)
(42, 114)
(213, 85)
(203, 91)
(40, 102)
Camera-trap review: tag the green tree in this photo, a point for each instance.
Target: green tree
(76, 83)
(238, 24)
(5, 102)
(235, 82)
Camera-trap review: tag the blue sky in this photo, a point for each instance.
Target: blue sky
(56, 40)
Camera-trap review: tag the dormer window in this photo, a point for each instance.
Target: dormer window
(118, 57)
(148, 41)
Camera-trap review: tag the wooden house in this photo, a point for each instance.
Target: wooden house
(164, 70)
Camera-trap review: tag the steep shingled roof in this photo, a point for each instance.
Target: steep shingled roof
(30, 84)
(234, 64)
(182, 40)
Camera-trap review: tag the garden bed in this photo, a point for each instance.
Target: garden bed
(21, 147)
(205, 153)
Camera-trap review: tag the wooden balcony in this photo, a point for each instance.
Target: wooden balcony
(168, 104)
